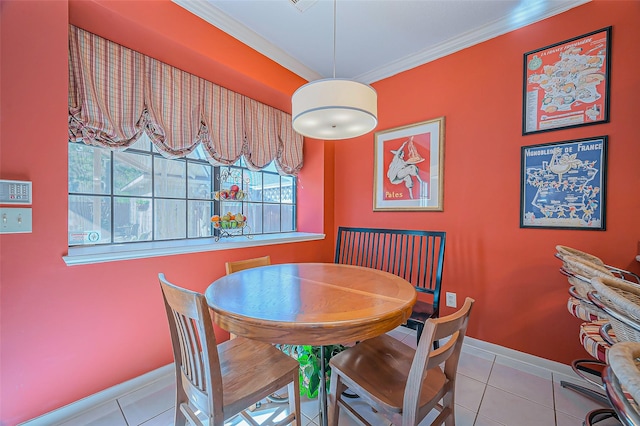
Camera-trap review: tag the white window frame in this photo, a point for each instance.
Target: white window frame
(114, 251)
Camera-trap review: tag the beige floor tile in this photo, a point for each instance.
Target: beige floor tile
(563, 419)
(572, 403)
(365, 411)
(163, 419)
(523, 366)
(476, 365)
(463, 417)
(490, 391)
(512, 410)
(149, 401)
(307, 422)
(310, 408)
(469, 392)
(107, 414)
(410, 340)
(522, 383)
(483, 421)
(398, 333)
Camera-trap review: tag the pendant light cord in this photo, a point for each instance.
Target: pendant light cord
(334, 38)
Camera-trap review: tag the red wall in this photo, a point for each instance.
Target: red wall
(511, 272)
(68, 332)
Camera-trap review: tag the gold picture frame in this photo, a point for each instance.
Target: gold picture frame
(409, 167)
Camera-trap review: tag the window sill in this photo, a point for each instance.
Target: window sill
(112, 253)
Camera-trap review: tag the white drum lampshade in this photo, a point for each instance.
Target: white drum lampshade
(334, 109)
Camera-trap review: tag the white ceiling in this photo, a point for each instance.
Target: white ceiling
(375, 39)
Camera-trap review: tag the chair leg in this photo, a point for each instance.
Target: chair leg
(582, 368)
(598, 415)
(180, 419)
(589, 393)
(335, 393)
(188, 415)
(294, 399)
(448, 403)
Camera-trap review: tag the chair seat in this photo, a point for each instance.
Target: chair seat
(244, 363)
(422, 311)
(593, 343)
(578, 310)
(391, 361)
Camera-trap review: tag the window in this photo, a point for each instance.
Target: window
(138, 195)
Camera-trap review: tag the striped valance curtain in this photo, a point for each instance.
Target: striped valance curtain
(115, 94)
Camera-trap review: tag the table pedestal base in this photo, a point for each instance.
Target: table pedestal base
(322, 391)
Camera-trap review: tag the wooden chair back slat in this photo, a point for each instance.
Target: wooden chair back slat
(440, 355)
(240, 265)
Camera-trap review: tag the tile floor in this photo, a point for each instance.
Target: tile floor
(492, 390)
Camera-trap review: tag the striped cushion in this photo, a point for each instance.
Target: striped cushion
(591, 340)
(578, 310)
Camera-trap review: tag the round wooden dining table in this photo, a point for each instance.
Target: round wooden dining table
(310, 304)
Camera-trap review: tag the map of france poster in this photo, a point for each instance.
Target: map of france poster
(563, 185)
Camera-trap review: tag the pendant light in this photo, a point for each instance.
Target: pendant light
(334, 108)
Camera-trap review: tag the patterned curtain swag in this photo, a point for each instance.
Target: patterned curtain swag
(115, 94)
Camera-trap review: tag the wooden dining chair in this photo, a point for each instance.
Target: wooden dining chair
(239, 265)
(218, 381)
(397, 381)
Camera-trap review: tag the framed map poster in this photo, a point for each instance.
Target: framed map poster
(567, 84)
(408, 170)
(563, 185)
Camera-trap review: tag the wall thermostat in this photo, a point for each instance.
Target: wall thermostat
(15, 192)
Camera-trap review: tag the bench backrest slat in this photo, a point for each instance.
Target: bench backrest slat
(416, 256)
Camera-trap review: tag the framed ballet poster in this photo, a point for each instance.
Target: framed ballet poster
(408, 169)
(567, 84)
(564, 185)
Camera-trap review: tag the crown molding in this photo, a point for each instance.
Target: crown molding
(528, 15)
(224, 22)
(487, 32)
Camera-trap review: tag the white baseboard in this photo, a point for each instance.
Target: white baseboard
(113, 393)
(553, 366)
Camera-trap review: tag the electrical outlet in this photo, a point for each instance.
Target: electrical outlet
(451, 300)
